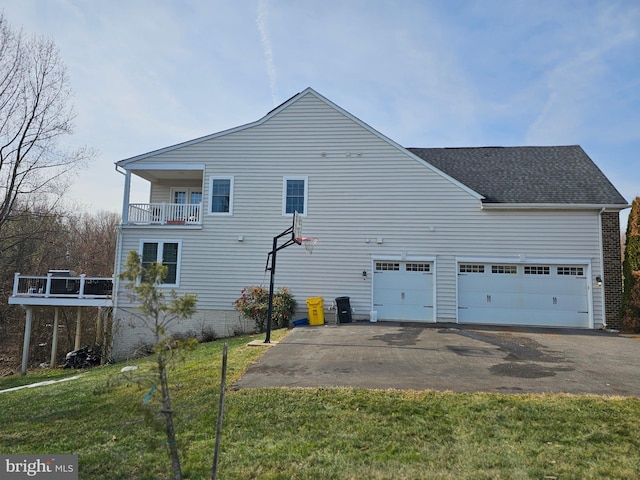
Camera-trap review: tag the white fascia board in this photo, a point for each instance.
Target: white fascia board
(553, 206)
(167, 166)
(61, 301)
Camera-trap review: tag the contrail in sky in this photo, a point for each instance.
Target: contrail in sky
(266, 46)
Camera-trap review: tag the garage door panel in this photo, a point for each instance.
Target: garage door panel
(407, 297)
(524, 301)
(482, 283)
(540, 317)
(573, 302)
(416, 283)
(550, 295)
(403, 291)
(570, 286)
(415, 313)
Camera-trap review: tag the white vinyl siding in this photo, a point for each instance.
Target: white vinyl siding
(361, 189)
(161, 193)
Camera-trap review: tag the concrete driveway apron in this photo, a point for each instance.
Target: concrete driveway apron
(450, 357)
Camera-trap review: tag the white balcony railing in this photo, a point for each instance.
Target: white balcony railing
(51, 285)
(165, 213)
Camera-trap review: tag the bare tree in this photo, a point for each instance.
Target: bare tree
(37, 239)
(92, 243)
(35, 111)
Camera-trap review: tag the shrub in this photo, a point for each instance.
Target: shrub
(631, 309)
(208, 334)
(253, 303)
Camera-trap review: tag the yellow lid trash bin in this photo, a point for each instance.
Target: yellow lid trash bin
(315, 306)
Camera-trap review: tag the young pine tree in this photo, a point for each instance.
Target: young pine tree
(157, 311)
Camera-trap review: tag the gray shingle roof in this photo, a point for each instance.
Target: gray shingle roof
(563, 175)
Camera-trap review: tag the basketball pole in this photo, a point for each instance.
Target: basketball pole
(274, 249)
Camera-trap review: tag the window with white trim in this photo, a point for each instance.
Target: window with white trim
(186, 195)
(387, 267)
(294, 195)
(221, 195)
(534, 270)
(505, 269)
(166, 252)
(571, 271)
(418, 267)
(187, 201)
(471, 268)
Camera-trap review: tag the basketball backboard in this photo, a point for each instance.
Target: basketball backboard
(296, 232)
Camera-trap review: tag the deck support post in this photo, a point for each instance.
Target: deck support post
(27, 338)
(54, 340)
(78, 341)
(100, 330)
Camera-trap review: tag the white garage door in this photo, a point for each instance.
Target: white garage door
(510, 294)
(403, 290)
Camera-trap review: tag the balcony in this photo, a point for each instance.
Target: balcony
(164, 214)
(61, 288)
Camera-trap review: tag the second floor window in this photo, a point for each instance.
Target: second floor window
(295, 195)
(221, 195)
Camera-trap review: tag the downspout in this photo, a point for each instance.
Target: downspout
(117, 267)
(115, 295)
(601, 253)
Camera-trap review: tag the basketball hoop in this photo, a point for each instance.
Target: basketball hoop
(308, 243)
(295, 230)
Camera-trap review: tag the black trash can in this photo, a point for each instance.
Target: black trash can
(344, 309)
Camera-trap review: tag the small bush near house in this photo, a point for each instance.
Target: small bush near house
(254, 304)
(208, 334)
(631, 309)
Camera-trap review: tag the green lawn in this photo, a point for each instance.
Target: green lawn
(320, 433)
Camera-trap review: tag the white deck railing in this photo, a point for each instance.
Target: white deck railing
(47, 286)
(164, 213)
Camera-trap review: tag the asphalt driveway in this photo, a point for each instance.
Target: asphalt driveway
(450, 357)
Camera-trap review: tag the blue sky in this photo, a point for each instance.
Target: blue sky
(441, 73)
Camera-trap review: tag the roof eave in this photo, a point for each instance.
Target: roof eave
(555, 206)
